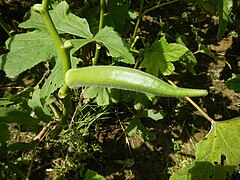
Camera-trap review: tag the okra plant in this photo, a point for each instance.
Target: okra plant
(57, 36)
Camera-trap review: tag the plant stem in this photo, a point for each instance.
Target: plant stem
(101, 21)
(137, 24)
(64, 53)
(6, 27)
(142, 13)
(158, 6)
(194, 104)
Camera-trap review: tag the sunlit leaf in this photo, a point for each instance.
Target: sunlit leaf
(67, 22)
(217, 154)
(26, 51)
(64, 21)
(161, 55)
(93, 175)
(115, 45)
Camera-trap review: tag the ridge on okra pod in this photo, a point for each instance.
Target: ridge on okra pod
(126, 79)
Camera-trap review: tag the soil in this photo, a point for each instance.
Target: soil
(124, 157)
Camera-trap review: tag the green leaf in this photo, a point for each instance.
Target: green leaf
(53, 82)
(234, 83)
(136, 125)
(207, 6)
(4, 102)
(93, 175)
(101, 95)
(206, 51)
(64, 21)
(189, 61)
(4, 133)
(161, 55)
(79, 43)
(16, 169)
(217, 154)
(26, 51)
(67, 22)
(153, 115)
(35, 21)
(42, 97)
(21, 146)
(115, 45)
(140, 100)
(13, 115)
(224, 9)
(118, 13)
(39, 108)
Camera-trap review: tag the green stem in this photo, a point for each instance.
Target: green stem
(138, 22)
(64, 53)
(142, 13)
(5, 26)
(158, 6)
(101, 20)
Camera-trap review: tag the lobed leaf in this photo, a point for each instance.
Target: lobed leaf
(217, 154)
(26, 51)
(161, 55)
(116, 47)
(101, 95)
(64, 21)
(67, 22)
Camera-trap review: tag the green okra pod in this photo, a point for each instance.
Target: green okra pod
(127, 79)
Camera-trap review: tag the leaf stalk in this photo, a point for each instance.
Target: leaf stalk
(101, 23)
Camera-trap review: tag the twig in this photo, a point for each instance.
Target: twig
(194, 104)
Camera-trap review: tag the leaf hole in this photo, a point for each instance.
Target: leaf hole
(223, 160)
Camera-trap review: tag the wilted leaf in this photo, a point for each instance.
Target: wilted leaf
(115, 45)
